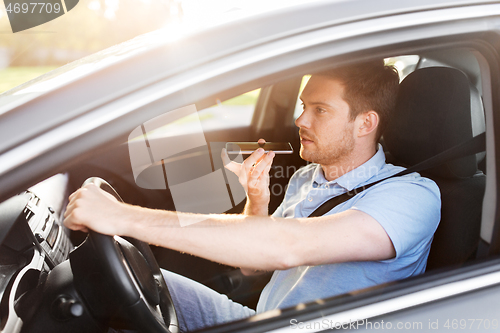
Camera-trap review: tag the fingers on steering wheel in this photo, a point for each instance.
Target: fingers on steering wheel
(71, 203)
(81, 228)
(74, 194)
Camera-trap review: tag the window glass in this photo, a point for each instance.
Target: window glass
(298, 105)
(232, 113)
(404, 65)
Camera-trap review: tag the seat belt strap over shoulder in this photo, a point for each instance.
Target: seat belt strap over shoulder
(470, 147)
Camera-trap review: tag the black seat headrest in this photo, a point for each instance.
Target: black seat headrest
(434, 113)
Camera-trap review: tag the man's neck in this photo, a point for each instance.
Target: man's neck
(348, 163)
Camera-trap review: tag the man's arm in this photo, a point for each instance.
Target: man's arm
(254, 242)
(253, 175)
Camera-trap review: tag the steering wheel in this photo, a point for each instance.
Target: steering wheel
(120, 281)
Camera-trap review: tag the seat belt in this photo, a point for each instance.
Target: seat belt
(470, 147)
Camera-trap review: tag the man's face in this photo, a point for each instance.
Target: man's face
(325, 128)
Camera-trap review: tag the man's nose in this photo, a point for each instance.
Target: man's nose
(303, 121)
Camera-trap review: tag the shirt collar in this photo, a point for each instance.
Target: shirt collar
(355, 177)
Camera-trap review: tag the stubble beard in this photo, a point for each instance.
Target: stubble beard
(337, 154)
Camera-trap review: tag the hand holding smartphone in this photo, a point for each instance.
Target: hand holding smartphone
(234, 148)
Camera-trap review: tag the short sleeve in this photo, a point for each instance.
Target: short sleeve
(408, 208)
(279, 211)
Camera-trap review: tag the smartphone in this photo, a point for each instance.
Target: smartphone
(249, 147)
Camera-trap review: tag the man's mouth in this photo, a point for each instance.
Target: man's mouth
(305, 140)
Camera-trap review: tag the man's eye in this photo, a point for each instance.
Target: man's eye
(303, 106)
(320, 110)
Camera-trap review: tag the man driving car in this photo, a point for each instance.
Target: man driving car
(382, 234)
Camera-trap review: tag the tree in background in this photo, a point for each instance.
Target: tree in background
(91, 26)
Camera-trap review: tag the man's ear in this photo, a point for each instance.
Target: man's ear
(368, 123)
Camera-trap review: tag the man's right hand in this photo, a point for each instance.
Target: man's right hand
(92, 208)
(253, 175)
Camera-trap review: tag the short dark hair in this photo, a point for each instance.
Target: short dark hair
(368, 86)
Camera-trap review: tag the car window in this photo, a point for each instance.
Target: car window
(298, 105)
(404, 64)
(232, 113)
(195, 171)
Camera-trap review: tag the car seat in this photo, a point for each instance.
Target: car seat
(437, 109)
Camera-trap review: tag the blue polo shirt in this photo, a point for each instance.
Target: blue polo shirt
(407, 207)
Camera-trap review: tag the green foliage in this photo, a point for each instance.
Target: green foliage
(89, 27)
(249, 98)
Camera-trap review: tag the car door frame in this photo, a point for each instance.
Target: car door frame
(378, 37)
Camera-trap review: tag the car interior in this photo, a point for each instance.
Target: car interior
(421, 129)
(440, 106)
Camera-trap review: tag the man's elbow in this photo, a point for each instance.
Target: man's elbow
(291, 250)
(291, 258)
(287, 262)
